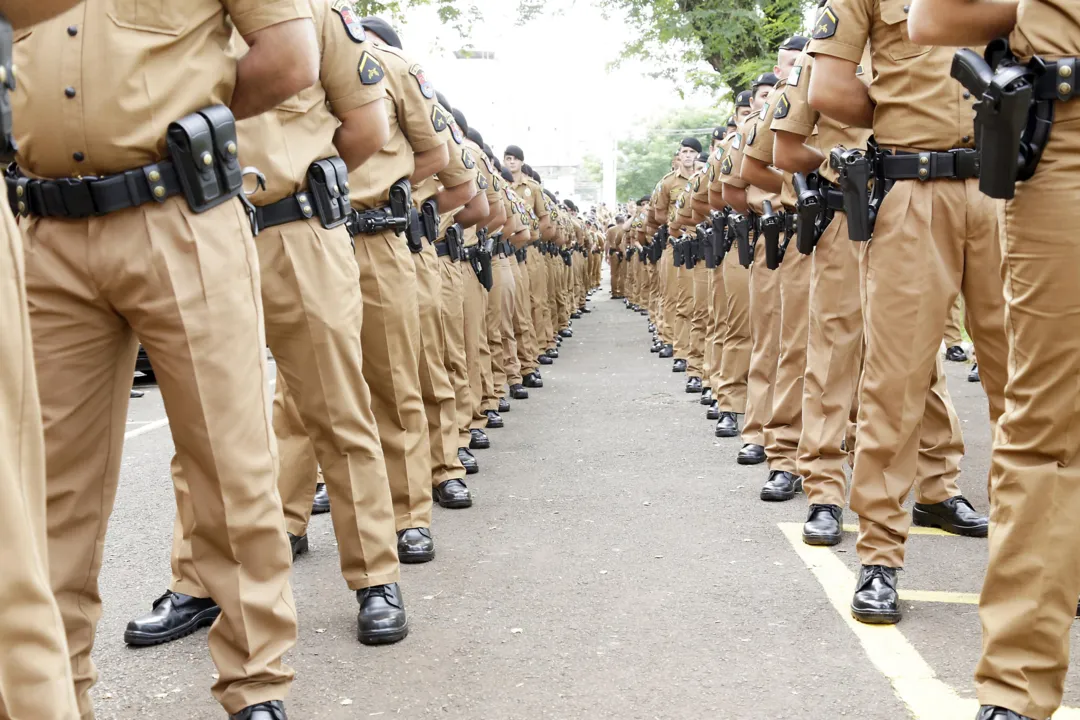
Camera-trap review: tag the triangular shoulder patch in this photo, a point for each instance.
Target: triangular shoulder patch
(370, 70)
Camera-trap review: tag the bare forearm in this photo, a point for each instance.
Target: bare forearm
(960, 23)
(836, 91)
(283, 59)
(475, 211)
(736, 198)
(452, 198)
(363, 132)
(429, 162)
(761, 175)
(793, 155)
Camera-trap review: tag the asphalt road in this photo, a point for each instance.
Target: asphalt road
(617, 563)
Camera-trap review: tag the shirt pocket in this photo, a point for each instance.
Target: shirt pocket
(897, 43)
(165, 17)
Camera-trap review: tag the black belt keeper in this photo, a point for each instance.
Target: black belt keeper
(414, 236)
(958, 164)
(76, 198)
(291, 209)
(834, 198)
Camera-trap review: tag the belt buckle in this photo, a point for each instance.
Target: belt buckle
(76, 197)
(965, 162)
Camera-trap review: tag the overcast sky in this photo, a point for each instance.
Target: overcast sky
(549, 88)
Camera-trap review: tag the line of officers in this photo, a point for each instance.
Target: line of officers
(408, 283)
(828, 349)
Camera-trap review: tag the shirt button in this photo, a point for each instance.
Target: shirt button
(966, 138)
(70, 92)
(967, 95)
(72, 30)
(79, 157)
(907, 8)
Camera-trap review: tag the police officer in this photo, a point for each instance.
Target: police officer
(1025, 623)
(676, 334)
(312, 305)
(936, 235)
(35, 674)
(180, 271)
(764, 286)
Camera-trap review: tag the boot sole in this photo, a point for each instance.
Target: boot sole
(142, 639)
(455, 504)
(479, 446)
(321, 509)
(416, 558)
(746, 461)
(876, 618)
(471, 469)
(301, 548)
(383, 637)
(925, 519)
(821, 540)
(489, 426)
(776, 496)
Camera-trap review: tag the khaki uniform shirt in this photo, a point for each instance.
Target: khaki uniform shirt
(793, 114)
(1049, 28)
(100, 101)
(759, 143)
(919, 106)
(668, 192)
(730, 167)
(283, 142)
(417, 124)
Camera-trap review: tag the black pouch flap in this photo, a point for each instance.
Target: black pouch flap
(226, 150)
(191, 148)
(328, 184)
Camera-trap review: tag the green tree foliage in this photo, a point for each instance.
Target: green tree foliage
(643, 161)
(456, 13)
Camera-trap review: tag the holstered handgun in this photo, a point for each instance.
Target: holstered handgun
(739, 226)
(453, 242)
(678, 253)
(400, 206)
(328, 184)
(772, 224)
(429, 219)
(1012, 124)
(706, 240)
(809, 210)
(863, 185)
(722, 234)
(204, 150)
(7, 132)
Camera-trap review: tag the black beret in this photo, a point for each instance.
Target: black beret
(507, 175)
(765, 79)
(498, 165)
(443, 101)
(743, 99)
(459, 118)
(703, 157)
(644, 199)
(731, 122)
(381, 28)
(550, 194)
(487, 149)
(795, 42)
(514, 151)
(691, 142)
(570, 205)
(718, 132)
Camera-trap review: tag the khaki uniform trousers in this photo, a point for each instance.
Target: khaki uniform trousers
(536, 263)
(477, 350)
(455, 357)
(730, 391)
(527, 349)
(932, 241)
(188, 285)
(699, 319)
(1033, 576)
(391, 346)
(440, 404)
(35, 674)
(322, 407)
(953, 322)
(784, 427)
(563, 300)
(669, 296)
(716, 329)
(684, 309)
(496, 350)
(765, 346)
(504, 293)
(618, 279)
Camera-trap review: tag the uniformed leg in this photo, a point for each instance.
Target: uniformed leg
(669, 297)
(536, 265)
(200, 320)
(456, 357)
(527, 351)
(699, 320)
(391, 346)
(35, 673)
(508, 309)
(684, 310)
(735, 361)
(912, 272)
(765, 340)
(785, 425)
(833, 364)
(440, 405)
(953, 321)
(298, 470)
(477, 352)
(497, 388)
(714, 340)
(1033, 576)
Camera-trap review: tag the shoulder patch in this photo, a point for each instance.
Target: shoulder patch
(353, 28)
(481, 181)
(487, 163)
(764, 112)
(697, 184)
(782, 107)
(736, 144)
(467, 159)
(370, 70)
(496, 182)
(712, 173)
(455, 132)
(825, 27)
(752, 136)
(858, 70)
(793, 77)
(726, 166)
(720, 153)
(426, 88)
(528, 191)
(439, 119)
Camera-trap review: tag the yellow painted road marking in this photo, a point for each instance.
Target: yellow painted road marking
(914, 530)
(913, 680)
(933, 596)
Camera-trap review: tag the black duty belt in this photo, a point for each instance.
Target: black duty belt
(521, 255)
(443, 248)
(291, 209)
(958, 164)
(504, 248)
(790, 221)
(84, 197)
(1059, 81)
(374, 222)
